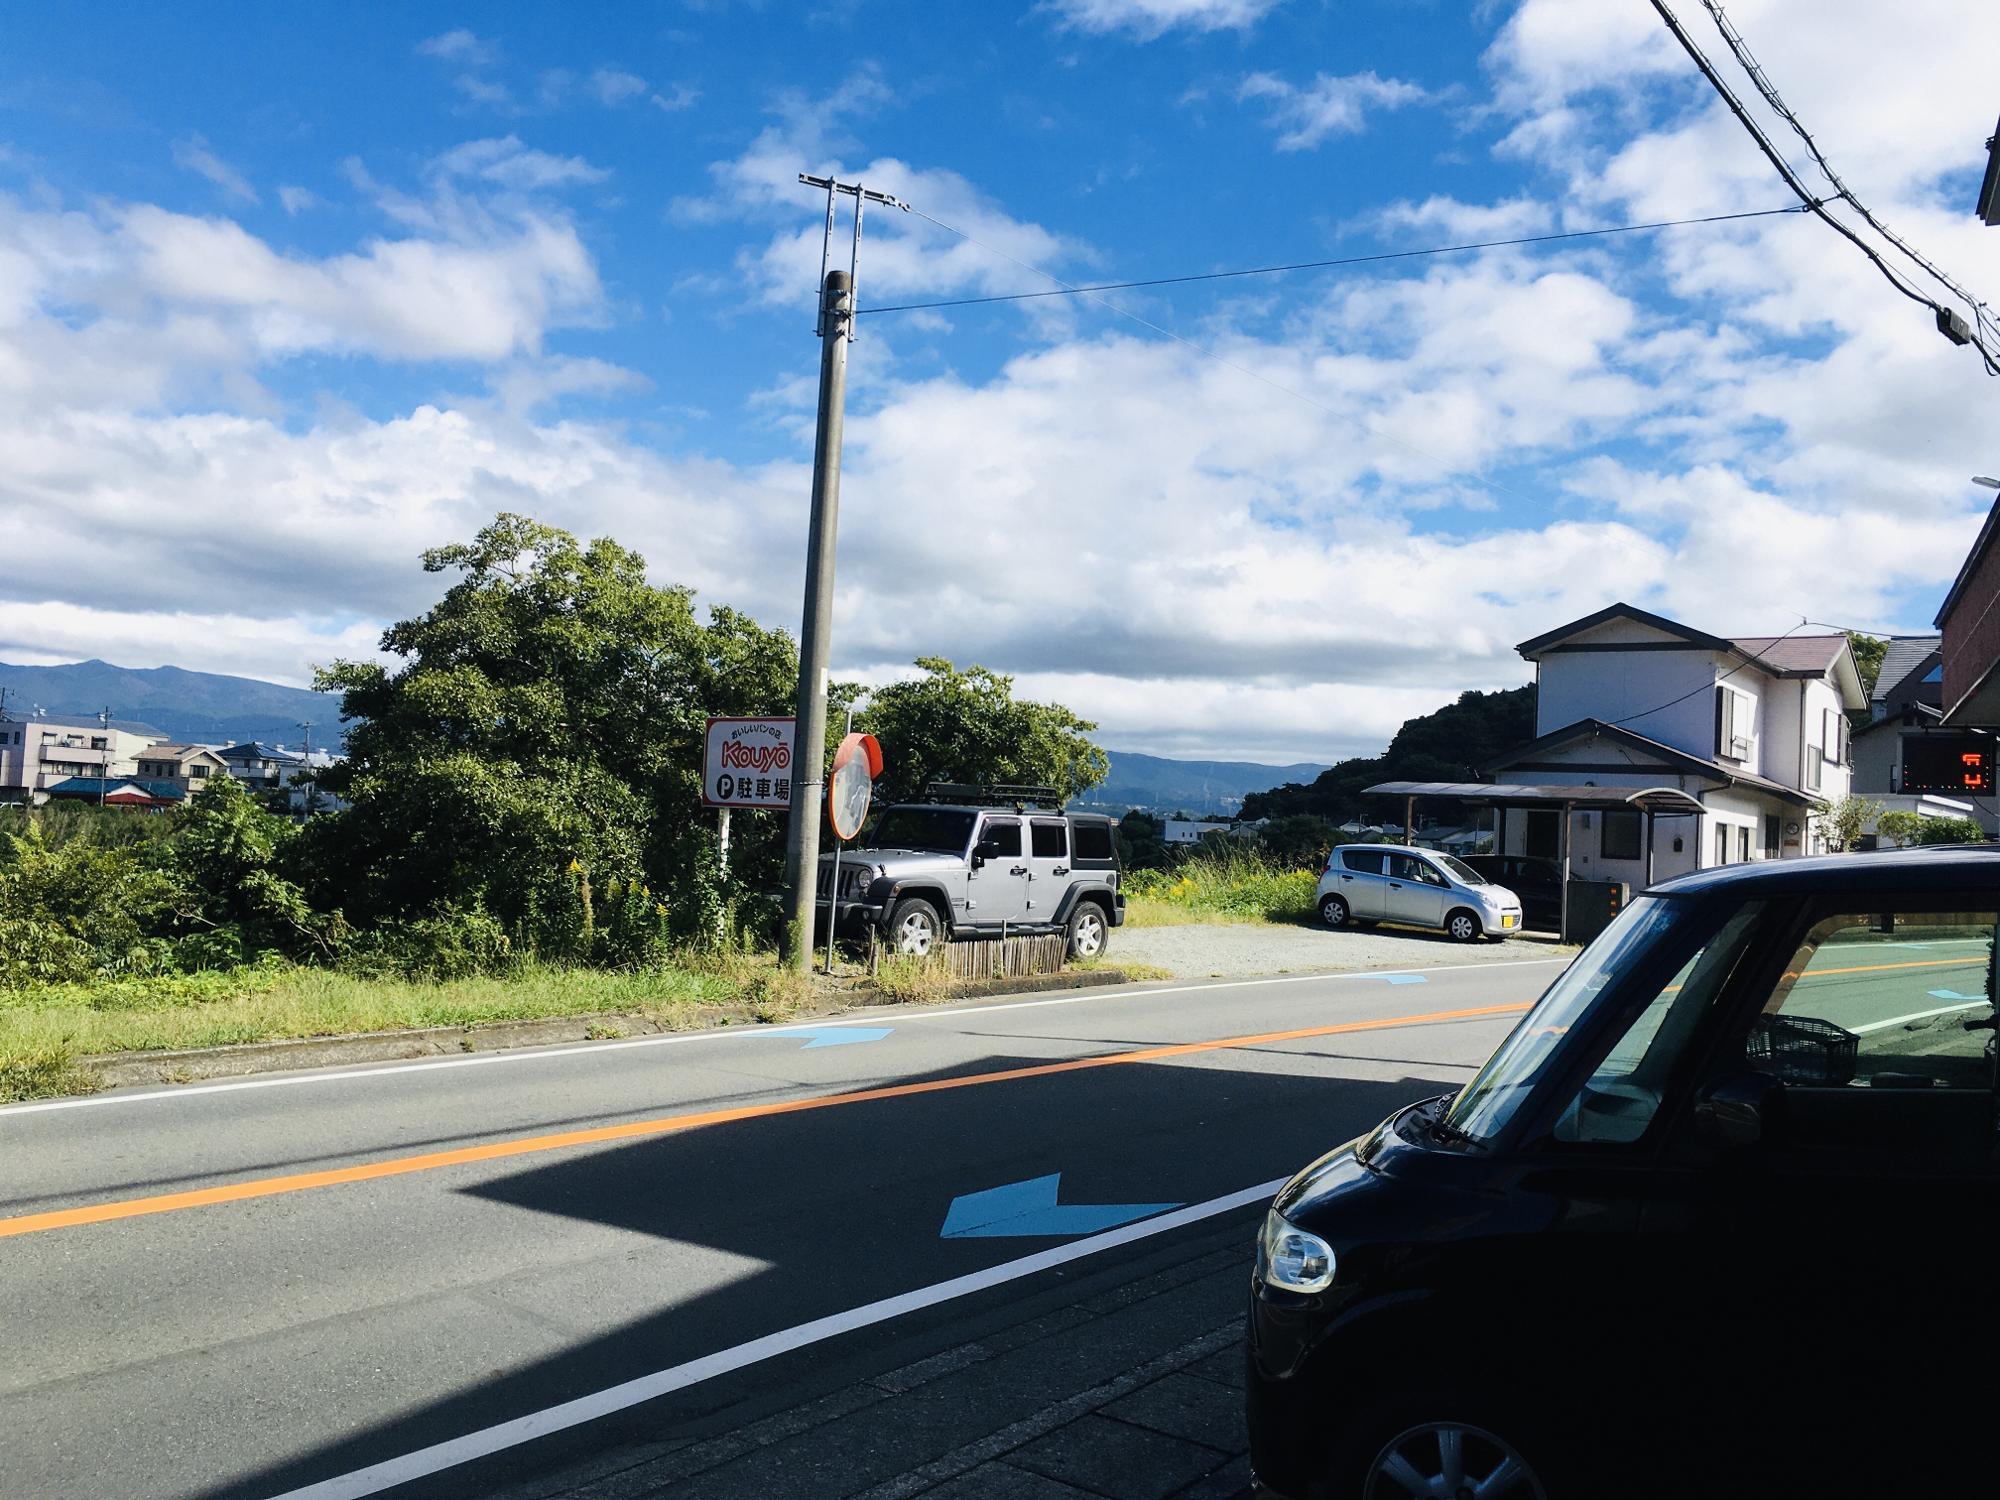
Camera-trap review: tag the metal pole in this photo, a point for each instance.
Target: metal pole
(722, 869)
(1562, 920)
(809, 736)
(833, 891)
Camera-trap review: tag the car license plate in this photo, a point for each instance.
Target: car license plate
(1508, 921)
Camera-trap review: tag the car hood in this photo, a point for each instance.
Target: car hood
(899, 862)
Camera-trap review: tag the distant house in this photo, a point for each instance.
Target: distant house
(1753, 729)
(189, 767)
(1183, 832)
(39, 752)
(1905, 757)
(260, 766)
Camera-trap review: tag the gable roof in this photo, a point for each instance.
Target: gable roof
(1622, 611)
(256, 750)
(1666, 755)
(1904, 655)
(1787, 655)
(1966, 569)
(1793, 655)
(92, 786)
(1903, 716)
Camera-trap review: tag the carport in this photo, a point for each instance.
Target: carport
(1654, 801)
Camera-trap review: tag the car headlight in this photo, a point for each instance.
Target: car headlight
(1290, 1258)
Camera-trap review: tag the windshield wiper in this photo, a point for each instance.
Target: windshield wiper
(1444, 1130)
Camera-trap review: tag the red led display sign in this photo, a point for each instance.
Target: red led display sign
(1948, 764)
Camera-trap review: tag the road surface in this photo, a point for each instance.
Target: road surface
(339, 1283)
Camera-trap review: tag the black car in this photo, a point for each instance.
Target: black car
(1720, 1216)
(1537, 881)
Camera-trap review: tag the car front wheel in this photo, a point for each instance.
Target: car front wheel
(1333, 911)
(1453, 1459)
(1462, 926)
(915, 927)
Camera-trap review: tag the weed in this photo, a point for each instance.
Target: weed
(1228, 887)
(910, 980)
(41, 1074)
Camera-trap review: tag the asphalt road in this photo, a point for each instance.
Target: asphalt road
(296, 1283)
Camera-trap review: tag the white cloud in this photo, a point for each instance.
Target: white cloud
(507, 163)
(297, 200)
(1511, 219)
(1149, 19)
(679, 98)
(460, 46)
(1327, 106)
(613, 86)
(193, 154)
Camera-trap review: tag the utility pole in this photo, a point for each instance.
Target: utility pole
(306, 725)
(104, 768)
(836, 329)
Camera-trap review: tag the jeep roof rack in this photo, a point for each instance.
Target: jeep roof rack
(994, 794)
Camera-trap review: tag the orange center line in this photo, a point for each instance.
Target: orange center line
(268, 1187)
(1911, 963)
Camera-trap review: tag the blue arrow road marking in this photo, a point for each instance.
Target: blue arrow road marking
(832, 1036)
(1399, 978)
(1023, 1209)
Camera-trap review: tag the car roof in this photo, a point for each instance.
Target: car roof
(1936, 870)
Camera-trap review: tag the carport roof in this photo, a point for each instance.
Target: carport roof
(1655, 799)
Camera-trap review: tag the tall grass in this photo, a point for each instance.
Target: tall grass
(44, 1029)
(1227, 887)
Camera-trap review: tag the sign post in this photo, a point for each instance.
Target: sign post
(745, 763)
(856, 764)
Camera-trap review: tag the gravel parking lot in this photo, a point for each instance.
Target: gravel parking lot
(1236, 950)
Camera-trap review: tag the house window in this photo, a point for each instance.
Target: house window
(1833, 736)
(1735, 719)
(197, 773)
(1619, 836)
(1722, 843)
(1815, 767)
(1770, 833)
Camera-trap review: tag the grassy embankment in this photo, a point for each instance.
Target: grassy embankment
(1237, 888)
(44, 1030)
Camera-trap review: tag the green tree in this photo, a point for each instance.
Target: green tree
(1142, 844)
(1298, 842)
(967, 726)
(547, 713)
(1868, 650)
(226, 852)
(76, 909)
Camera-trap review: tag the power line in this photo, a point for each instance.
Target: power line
(1066, 290)
(1813, 203)
(1367, 420)
(1769, 90)
(1751, 656)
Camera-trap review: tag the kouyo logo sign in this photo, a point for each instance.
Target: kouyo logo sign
(748, 763)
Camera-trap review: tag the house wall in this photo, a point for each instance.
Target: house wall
(1972, 629)
(36, 754)
(1835, 777)
(1609, 685)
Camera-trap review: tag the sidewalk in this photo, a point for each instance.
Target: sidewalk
(1133, 1394)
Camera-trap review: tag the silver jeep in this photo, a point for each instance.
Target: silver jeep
(929, 872)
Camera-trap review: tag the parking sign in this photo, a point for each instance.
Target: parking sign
(748, 763)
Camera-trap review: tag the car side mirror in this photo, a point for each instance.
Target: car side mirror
(1739, 1111)
(981, 852)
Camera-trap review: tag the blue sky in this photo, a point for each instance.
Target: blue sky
(288, 294)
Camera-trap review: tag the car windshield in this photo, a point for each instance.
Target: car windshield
(1485, 1105)
(939, 830)
(1458, 870)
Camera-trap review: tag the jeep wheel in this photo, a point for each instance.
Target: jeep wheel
(1088, 931)
(915, 927)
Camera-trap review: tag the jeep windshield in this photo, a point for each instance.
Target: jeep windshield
(937, 830)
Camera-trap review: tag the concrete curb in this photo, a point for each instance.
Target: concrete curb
(129, 1069)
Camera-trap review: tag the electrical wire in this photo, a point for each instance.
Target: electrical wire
(1750, 65)
(1066, 290)
(1367, 420)
(1710, 685)
(1816, 204)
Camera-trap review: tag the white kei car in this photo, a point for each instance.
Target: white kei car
(1368, 883)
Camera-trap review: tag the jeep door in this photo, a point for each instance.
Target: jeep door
(997, 885)
(1048, 867)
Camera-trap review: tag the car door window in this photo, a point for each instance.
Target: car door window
(1364, 861)
(1416, 871)
(1879, 1032)
(1002, 836)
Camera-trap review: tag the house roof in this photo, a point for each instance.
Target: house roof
(1667, 800)
(1981, 543)
(1622, 612)
(1793, 655)
(1906, 716)
(92, 786)
(1668, 757)
(256, 750)
(1904, 655)
(178, 752)
(1787, 655)
(84, 721)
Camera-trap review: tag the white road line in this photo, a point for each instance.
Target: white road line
(1921, 1015)
(597, 1049)
(502, 1436)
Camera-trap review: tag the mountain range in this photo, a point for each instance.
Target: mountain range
(193, 707)
(1201, 787)
(211, 708)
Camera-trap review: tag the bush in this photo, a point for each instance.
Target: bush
(1908, 828)
(450, 943)
(1237, 884)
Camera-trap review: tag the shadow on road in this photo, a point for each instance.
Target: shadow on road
(841, 1207)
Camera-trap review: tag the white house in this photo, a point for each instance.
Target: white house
(1752, 728)
(1188, 831)
(40, 751)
